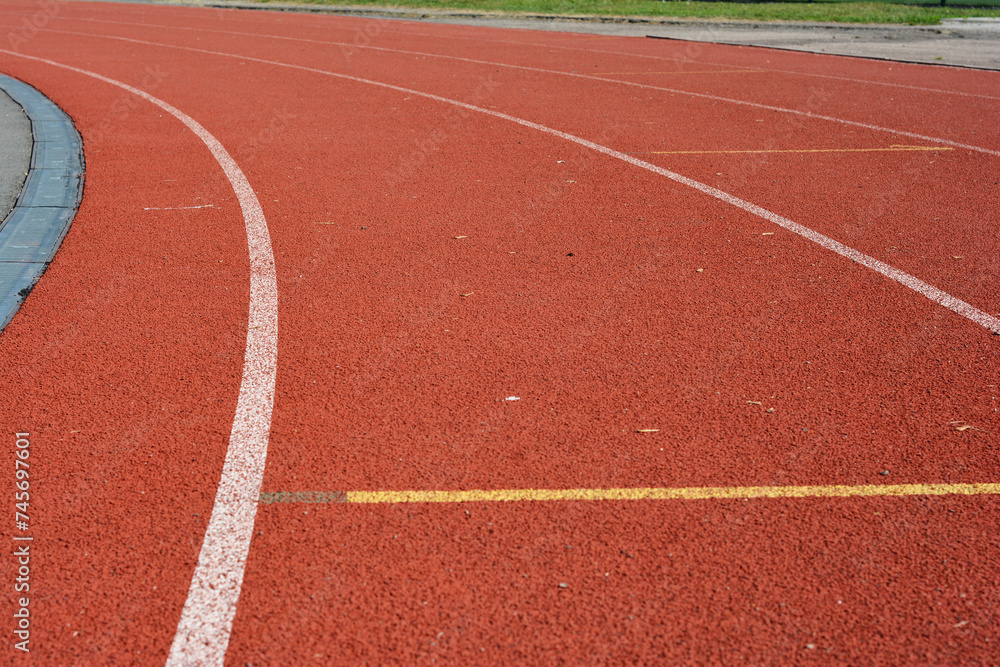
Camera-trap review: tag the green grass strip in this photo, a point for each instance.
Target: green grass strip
(826, 11)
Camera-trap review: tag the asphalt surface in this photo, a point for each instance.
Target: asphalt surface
(967, 44)
(957, 43)
(15, 151)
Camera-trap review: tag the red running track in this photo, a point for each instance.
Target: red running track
(434, 260)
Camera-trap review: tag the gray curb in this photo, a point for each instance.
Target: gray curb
(32, 232)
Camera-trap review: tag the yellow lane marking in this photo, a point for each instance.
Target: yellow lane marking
(691, 493)
(802, 150)
(706, 71)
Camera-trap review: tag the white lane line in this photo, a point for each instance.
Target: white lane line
(950, 302)
(602, 79)
(174, 208)
(207, 620)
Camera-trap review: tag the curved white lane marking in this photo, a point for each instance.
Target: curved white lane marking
(207, 620)
(933, 293)
(603, 79)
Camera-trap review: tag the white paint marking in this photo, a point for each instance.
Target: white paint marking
(174, 208)
(207, 620)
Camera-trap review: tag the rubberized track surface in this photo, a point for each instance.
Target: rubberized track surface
(670, 352)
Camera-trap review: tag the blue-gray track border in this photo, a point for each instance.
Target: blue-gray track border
(32, 232)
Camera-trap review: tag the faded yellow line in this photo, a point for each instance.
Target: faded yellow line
(706, 71)
(801, 150)
(691, 493)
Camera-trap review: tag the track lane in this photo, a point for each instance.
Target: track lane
(393, 354)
